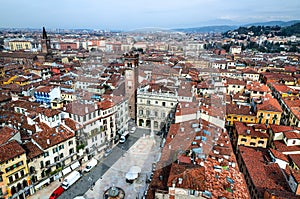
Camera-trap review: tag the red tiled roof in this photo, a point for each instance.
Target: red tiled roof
(32, 150)
(282, 147)
(6, 133)
(45, 89)
(181, 139)
(295, 158)
(238, 110)
(249, 71)
(186, 108)
(291, 135)
(72, 124)
(282, 88)
(296, 112)
(79, 108)
(280, 128)
(235, 82)
(279, 155)
(264, 176)
(4, 97)
(296, 175)
(269, 104)
(10, 150)
(47, 112)
(187, 176)
(20, 79)
(241, 129)
(256, 86)
(51, 136)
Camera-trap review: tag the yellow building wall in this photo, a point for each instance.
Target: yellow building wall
(56, 105)
(294, 166)
(6, 175)
(22, 83)
(2, 71)
(267, 117)
(240, 118)
(291, 83)
(10, 80)
(19, 45)
(68, 97)
(283, 95)
(252, 141)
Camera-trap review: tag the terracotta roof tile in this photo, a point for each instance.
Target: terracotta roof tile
(10, 150)
(270, 175)
(49, 137)
(238, 110)
(279, 155)
(282, 147)
(269, 104)
(72, 124)
(32, 150)
(295, 158)
(280, 128)
(243, 129)
(187, 176)
(6, 133)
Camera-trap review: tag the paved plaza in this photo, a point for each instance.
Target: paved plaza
(143, 153)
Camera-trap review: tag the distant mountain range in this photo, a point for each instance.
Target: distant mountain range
(225, 28)
(208, 29)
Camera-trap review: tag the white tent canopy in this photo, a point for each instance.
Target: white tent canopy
(133, 173)
(131, 176)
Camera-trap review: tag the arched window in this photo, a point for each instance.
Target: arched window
(141, 122)
(148, 123)
(155, 124)
(19, 187)
(25, 184)
(13, 190)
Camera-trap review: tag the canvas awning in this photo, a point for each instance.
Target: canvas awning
(75, 165)
(66, 170)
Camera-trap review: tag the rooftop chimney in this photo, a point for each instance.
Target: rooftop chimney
(248, 131)
(179, 180)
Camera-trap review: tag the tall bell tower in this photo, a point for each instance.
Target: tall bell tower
(46, 48)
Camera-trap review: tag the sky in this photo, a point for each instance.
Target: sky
(135, 14)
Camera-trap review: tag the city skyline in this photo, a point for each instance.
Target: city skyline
(129, 15)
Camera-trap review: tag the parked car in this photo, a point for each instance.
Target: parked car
(149, 178)
(133, 130)
(79, 197)
(71, 179)
(107, 152)
(91, 164)
(124, 137)
(57, 192)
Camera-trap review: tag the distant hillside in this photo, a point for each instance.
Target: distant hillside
(225, 28)
(291, 30)
(206, 29)
(266, 30)
(273, 23)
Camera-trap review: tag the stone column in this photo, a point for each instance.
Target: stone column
(152, 126)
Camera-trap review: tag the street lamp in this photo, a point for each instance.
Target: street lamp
(90, 180)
